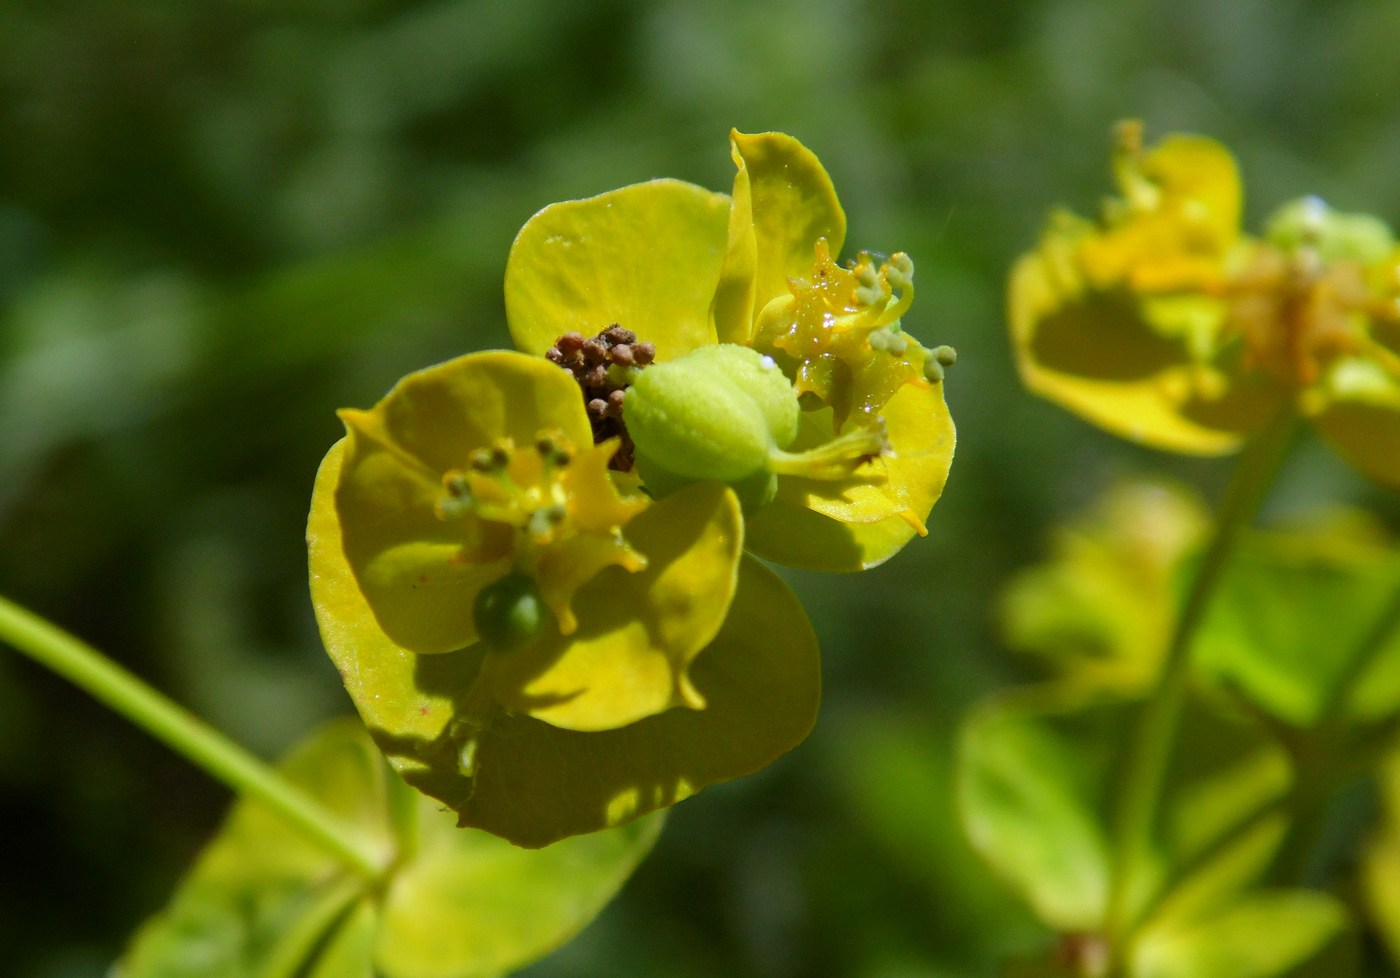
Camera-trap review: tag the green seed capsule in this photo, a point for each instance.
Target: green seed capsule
(716, 413)
(509, 613)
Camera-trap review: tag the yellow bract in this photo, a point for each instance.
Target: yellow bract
(484, 466)
(1163, 323)
(534, 781)
(682, 267)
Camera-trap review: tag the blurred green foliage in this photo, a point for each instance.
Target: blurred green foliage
(220, 221)
(263, 900)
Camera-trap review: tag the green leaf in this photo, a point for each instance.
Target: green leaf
(1037, 783)
(262, 901)
(1267, 934)
(1293, 627)
(1380, 868)
(1099, 611)
(262, 896)
(469, 904)
(1032, 799)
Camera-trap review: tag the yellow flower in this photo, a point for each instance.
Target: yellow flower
(1164, 323)
(472, 504)
(674, 268)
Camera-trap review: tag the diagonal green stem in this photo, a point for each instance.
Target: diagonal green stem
(1315, 756)
(1149, 751)
(181, 731)
(1371, 645)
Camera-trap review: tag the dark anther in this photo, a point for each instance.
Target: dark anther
(589, 360)
(615, 400)
(488, 460)
(595, 351)
(597, 378)
(552, 452)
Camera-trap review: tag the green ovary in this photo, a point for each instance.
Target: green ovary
(727, 413)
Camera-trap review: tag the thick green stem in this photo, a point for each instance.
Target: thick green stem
(181, 731)
(1150, 749)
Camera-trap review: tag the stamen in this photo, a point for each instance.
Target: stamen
(603, 366)
(937, 361)
(489, 461)
(552, 451)
(458, 502)
(543, 522)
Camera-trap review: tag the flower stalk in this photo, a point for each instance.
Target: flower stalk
(182, 732)
(1149, 751)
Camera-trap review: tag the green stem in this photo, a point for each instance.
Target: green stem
(1371, 644)
(181, 731)
(1315, 753)
(1149, 751)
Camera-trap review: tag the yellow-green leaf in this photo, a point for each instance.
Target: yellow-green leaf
(1036, 790)
(1268, 934)
(264, 900)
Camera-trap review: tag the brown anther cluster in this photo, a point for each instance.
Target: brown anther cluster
(597, 363)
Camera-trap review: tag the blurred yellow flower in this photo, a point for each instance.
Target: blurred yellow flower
(1163, 323)
(664, 269)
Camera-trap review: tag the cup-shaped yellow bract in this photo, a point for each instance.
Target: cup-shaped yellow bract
(465, 475)
(1163, 323)
(654, 658)
(683, 268)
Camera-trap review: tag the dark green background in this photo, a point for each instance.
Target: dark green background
(220, 221)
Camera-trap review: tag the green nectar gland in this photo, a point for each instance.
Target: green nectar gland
(727, 413)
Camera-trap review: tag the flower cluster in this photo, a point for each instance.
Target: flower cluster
(530, 566)
(1163, 322)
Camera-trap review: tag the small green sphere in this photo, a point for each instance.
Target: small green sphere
(509, 613)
